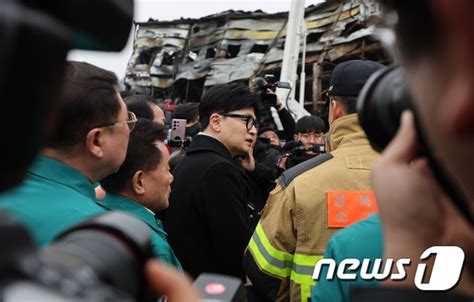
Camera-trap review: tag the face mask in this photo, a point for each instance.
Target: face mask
(193, 130)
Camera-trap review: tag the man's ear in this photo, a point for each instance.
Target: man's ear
(94, 142)
(337, 109)
(138, 182)
(215, 122)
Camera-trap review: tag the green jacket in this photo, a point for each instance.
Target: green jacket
(363, 239)
(159, 243)
(52, 198)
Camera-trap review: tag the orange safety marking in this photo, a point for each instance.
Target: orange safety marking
(347, 207)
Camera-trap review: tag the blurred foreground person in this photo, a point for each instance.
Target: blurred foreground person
(436, 47)
(90, 142)
(23, 28)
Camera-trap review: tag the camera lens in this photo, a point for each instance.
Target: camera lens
(380, 105)
(106, 251)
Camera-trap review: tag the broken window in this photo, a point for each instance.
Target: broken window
(351, 27)
(196, 29)
(259, 48)
(233, 50)
(313, 37)
(147, 56)
(168, 58)
(211, 52)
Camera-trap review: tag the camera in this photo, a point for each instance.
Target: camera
(178, 143)
(269, 81)
(297, 153)
(381, 102)
(100, 259)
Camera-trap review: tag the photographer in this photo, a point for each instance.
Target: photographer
(266, 88)
(24, 28)
(190, 113)
(308, 140)
(436, 47)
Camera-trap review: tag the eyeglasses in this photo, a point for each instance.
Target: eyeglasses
(131, 121)
(249, 120)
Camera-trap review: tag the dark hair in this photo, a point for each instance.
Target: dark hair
(417, 29)
(88, 99)
(139, 104)
(348, 102)
(308, 124)
(261, 130)
(187, 111)
(142, 154)
(226, 98)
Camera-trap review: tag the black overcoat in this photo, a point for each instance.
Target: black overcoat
(207, 220)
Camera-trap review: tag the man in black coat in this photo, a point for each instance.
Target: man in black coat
(207, 220)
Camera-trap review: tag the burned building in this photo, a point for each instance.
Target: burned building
(180, 59)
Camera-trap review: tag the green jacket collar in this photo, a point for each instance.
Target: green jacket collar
(122, 203)
(58, 172)
(346, 131)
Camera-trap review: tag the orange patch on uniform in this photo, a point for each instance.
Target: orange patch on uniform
(347, 207)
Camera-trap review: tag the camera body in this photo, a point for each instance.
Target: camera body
(297, 153)
(268, 82)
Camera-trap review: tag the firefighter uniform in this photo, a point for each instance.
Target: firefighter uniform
(311, 202)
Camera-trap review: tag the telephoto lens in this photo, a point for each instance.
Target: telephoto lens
(101, 259)
(380, 105)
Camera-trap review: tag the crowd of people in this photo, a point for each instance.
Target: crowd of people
(265, 205)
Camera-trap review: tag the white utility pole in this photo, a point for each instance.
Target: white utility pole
(294, 35)
(303, 64)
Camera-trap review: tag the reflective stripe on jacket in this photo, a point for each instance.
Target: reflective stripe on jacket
(293, 231)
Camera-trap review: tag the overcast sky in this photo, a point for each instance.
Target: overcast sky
(166, 10)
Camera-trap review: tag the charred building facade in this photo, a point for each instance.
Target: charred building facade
(180, 59)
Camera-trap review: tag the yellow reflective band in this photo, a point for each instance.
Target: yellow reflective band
(307, 260)
(304, 263)
(305, 293)
(302, 279)
(282, 256)
(264, 264)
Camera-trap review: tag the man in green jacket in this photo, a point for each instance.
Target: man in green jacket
(88, 143)
(141, 187)
(361, 240)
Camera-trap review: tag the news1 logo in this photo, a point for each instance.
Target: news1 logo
(445, 273)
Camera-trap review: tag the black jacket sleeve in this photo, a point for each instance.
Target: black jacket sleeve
(288, 123)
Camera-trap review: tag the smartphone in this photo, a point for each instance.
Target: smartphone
(178, 129)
